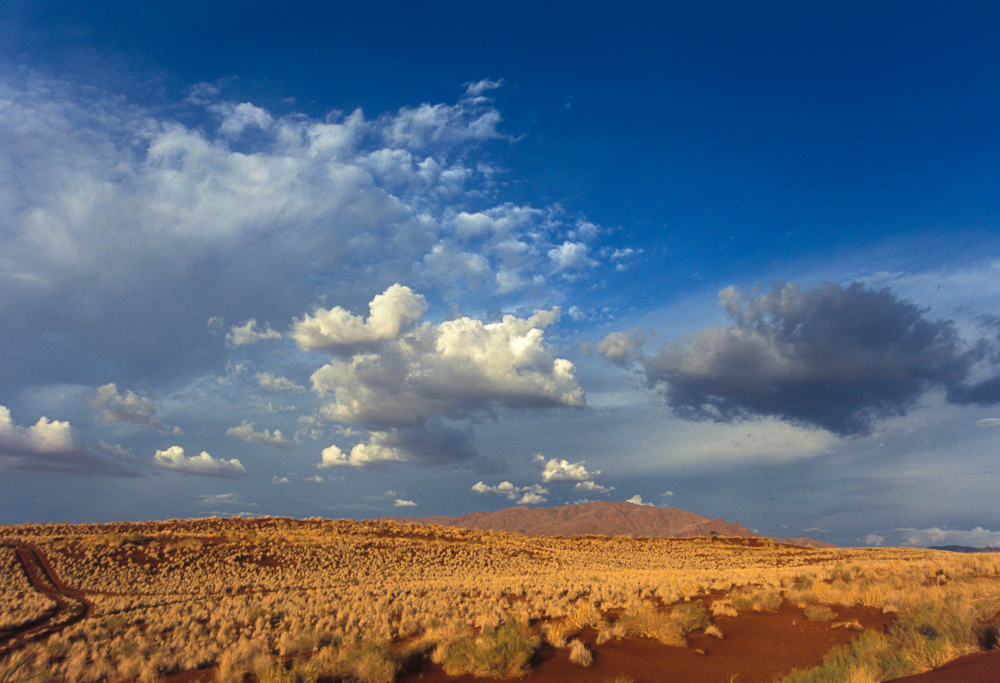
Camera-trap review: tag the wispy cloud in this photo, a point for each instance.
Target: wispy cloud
(249, 334)
(275, 383)
(265, 437)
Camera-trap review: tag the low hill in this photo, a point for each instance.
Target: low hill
(599, 518)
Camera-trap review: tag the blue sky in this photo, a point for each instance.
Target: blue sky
(353, 260)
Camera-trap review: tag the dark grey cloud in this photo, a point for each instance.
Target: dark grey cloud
(837, 358)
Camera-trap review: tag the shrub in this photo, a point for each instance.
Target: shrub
(758, 601)
(648, 623)
(869, 652)
(236, 663)
(271, 670)
(364, 663)
(820, 613)
(689, 617)
(502, 653)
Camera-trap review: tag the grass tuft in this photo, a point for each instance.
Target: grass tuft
(580, 654)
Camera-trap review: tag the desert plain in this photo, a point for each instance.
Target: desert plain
(283, 600)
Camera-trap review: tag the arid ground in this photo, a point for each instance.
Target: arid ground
(274, 599)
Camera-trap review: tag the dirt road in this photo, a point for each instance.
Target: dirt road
(71, 605)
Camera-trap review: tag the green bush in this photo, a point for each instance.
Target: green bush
(690, 617)
(367, 663)
(868, 651)
(820, 613)
(496, 653)
(648, 623)
(925, 635)
(757, 601)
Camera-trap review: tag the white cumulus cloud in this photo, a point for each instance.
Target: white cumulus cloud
(403, 380)
(400, 503)
(529, 495)
(44, 437)
(173, 458)
(637, 500)
(563, 470)
(335, 329)
(376, 451)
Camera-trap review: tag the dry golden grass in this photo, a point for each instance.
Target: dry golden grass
(237, 594)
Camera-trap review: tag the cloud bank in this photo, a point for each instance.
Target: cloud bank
(936, 536)
(123, 226)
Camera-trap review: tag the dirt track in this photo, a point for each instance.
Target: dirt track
(71, 605)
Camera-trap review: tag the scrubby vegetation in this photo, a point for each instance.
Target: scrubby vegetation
(318, 600)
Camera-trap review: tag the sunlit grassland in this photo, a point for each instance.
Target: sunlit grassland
(286, 600)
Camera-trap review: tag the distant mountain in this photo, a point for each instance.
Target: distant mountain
(600, 518)
(964, 549)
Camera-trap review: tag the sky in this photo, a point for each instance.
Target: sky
(352, 260)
